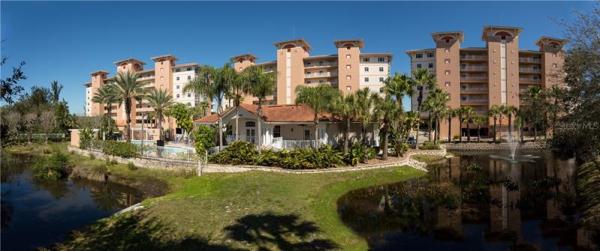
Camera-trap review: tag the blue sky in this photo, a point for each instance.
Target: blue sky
(66, 41)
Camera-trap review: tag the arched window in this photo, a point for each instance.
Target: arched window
(250, 124)
(447, 39)
(503, 35)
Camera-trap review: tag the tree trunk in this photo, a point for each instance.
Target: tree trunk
(346, 138)
(449, 129)
(385, 142)
(495, 129)
(128, 119)
(429, 127)
(258, 126)
(418, 125)
(316, 130)
(237, 123)
(220, 131)
(478, 133)
(468, 130)
(460, 129)
(521, 133)
(500, 127)
(534, 133)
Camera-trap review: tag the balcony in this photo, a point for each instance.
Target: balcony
(320, 75)
(474, 78)
(530, 80)
(474, 91)
(473, 101)
(320, 65)
(474, 57)
(529, 70)
(474, 68)
(530, 60)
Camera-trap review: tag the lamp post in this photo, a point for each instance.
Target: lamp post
(143, 135)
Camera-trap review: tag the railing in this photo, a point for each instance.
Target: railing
(531, 80)
(320, 75)
(474, 101)
(316, 65)
(280, 143)
(473, 57)
(474, 68)
(530, 60)
(475, 78)
(474, 90)
(529, 70)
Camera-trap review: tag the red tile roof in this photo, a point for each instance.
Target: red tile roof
(276, 113)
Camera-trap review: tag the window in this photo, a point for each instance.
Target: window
(308, 63)
(429, 55)
(306, 134)
(447, 72)
(380, 69)
(419, 55)
(189, 69)
(250, 124)
(367, 69)
(348, 88)
(381, 79)
(430, 65)
(277, 131)
(446, 50)
(365, 59)
(348, 77)
(554, 65)
(308, 82)
(348, 56)
(320, 72)
(381, 59)
(348, 66)
(189, 77)
(447, 83)
(177, 87)
(447, 61)
(367, 79)
(419, 66)
(321, 81)
(320, 62)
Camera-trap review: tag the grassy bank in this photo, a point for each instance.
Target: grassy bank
(236, 211)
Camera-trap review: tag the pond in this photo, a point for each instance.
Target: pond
(473, 202)
(38, 213)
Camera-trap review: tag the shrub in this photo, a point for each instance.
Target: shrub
(269, 158)
(204, 138)
(430, 145)
(359, 153)
(131, 166)
(52, 168)
(310, 158)
(455, 137)
(238, 153)
(121, 149)
(85, 138)
(400, 148)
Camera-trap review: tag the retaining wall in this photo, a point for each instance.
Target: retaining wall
(484, 146)
(169, 164)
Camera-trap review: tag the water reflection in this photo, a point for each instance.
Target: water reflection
(473, 202)
(39, 213)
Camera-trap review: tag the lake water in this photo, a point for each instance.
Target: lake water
(40, 213)
(473, 202)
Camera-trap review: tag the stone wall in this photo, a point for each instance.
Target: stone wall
(485, 146)
(140, 162)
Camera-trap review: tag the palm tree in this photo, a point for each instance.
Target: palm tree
(436, 104)
(107, 96)
(210, 84)
(428, 106)
(160, 100)
(345, 107)
(509, 110)
(261, 85)
(318, 99)
(479, 121)
(467, 113)
(521, 121)
(387, 112)
(494, 112)
(449, 113)
(128, 89)
(55, 89)
(421, 79)
(364, 109)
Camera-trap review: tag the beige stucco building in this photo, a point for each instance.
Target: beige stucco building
(492, 75)
(347, 70)
(166, 75)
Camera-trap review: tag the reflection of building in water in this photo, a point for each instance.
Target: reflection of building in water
(449, 218)
(505, 216)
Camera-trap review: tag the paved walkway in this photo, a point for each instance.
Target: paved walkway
(391, 162)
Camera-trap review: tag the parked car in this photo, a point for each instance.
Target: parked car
(412, 142)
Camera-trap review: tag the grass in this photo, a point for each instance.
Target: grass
(249, 211)
(428, 158)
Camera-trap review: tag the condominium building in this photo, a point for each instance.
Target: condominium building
(492, 75)
(348, 70)
(166, 75)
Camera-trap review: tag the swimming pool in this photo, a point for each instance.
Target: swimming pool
(150, 148)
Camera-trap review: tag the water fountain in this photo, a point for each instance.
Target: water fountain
(513, 144)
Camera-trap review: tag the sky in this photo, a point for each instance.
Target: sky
(66, 41)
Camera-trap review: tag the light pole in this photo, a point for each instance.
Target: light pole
(143, 135)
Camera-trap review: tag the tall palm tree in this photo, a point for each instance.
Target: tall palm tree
(449, 113)
(160, 100)
(261, 85)
(467, 113)
(421, 79)
(494, 112)
(210, 84)
(509, 111)
(387, 111)
(107, 96)
(436, 103)
(318, 99)
(479, 121)
(345, 107)
(55, 90)
(128, 89)
(521, 120)
(364, 109)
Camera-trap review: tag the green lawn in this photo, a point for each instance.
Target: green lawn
(240, 211)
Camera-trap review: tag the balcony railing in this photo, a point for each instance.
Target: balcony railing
(473, 57)
(473, 78)
(529, 70)
(474, 101)
(473, 68)
(320, 75)
(530, 60)
(530, 80)
(474, 90)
